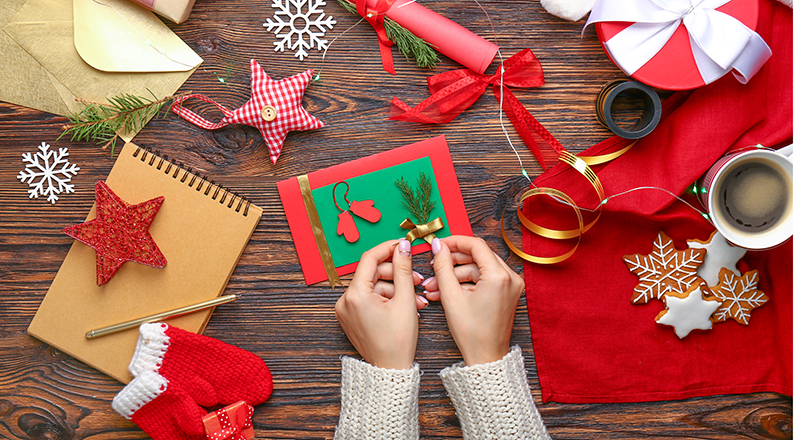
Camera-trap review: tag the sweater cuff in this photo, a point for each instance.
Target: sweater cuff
(494, 400)
(377, 402)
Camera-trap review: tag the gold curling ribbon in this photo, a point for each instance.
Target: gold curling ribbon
(424, 231)
(319, 234)
(580, 164)
(544, 260)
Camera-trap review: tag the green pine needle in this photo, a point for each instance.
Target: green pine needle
(418, 202)
(407, 43)
(103, 122)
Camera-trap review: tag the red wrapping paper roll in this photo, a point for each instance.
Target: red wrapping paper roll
(448, 37)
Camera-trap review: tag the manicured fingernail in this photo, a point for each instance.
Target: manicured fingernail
(436, 246)
(425, 282)
(417, 314)
(418, 275)
(431, 263)
(405, 247)
(425, 300)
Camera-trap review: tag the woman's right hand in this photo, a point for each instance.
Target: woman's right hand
(479, 294)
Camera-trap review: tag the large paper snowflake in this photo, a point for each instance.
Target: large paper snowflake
(739, 296)
(302, 18)
(663, 270)
(48, 173)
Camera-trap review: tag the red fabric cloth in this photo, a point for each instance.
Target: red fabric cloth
(591, 344)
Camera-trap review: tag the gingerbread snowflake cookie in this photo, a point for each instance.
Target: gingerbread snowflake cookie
(690, 310)
(719, 254)
(664, 270)
(739, 296)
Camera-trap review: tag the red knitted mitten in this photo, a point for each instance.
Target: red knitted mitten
(163, 411)
(211, 371)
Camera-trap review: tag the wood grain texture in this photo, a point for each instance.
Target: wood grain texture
(45, 394)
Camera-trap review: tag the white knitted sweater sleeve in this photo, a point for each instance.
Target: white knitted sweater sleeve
(494, 401)
(378, 403)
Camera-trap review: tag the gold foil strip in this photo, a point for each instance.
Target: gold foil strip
(319, 234)
(580, 164)
(603, 158)
(424, 231)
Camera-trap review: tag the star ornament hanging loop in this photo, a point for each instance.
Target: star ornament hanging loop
(119, 233)
(275, 108)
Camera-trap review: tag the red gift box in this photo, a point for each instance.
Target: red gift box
(234, 422)
(675, 65)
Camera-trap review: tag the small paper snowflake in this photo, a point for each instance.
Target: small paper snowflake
(739, 296)
(48, 173)
(299, 18)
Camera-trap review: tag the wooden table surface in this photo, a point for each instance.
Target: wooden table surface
(49, 395)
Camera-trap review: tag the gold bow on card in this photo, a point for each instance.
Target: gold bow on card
(424, 231)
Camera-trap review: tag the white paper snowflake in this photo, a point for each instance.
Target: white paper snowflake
(48, 173)
(300, 18)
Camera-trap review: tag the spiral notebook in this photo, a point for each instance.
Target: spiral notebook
(202, 230)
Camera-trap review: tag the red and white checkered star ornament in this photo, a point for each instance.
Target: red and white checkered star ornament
(275, 108)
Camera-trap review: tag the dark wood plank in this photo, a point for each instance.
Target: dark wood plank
(47, 394)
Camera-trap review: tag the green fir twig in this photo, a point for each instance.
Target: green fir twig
(418, 202)
(407, 43)
(103, 122)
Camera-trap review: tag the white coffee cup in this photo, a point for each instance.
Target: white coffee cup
(748, 195)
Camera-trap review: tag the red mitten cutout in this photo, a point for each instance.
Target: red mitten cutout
(366, 210)
(347, 227)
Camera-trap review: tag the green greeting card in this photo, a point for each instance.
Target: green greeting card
(378, 186)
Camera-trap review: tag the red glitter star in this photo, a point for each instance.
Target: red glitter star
(275, 108)
(119, 233)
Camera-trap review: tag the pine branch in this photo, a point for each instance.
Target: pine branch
(407, 43)
(103, 122)
(419, 203)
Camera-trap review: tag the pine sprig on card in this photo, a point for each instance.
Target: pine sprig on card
(103, 122)
(407, 43)
(418, 202)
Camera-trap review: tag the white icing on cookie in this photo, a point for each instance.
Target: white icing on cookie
(689, 313)
(719, 254)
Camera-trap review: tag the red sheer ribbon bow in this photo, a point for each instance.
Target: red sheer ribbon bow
(376, 16)
(454, 91)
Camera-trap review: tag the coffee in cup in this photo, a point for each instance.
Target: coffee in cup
(748, 196)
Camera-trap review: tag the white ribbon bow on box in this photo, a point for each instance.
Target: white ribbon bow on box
(719, 42)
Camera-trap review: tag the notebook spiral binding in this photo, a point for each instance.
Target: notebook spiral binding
(159, 161)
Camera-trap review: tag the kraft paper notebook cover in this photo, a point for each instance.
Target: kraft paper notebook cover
(201, 229)
(372, 177)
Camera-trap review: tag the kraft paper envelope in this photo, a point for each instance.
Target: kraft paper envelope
(55, 51)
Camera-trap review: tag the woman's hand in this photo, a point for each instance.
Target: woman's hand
(378, 311)
(479, 293)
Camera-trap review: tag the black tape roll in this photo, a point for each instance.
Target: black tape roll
(651, 111)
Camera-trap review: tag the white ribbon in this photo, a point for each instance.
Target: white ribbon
(719, 42)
